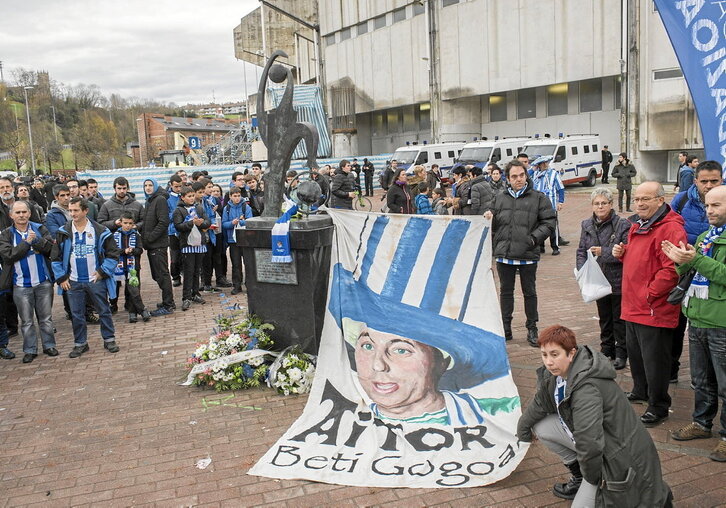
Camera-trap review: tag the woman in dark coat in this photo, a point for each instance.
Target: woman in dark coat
(599, 233)
(399, 197)
(580, 413)
(624, 172)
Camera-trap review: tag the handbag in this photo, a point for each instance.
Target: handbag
(593, 283)
(678, 293)
(195, 237)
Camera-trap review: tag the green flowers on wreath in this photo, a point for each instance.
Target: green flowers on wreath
(237, 352)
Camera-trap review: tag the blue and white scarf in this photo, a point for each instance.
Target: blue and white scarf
(125, 261)
(281, 252)
(699, 284)
(516, 194)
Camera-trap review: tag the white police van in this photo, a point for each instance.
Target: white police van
(497, 151)
(576, 156)
(442, 154)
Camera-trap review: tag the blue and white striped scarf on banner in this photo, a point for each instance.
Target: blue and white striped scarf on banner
(281, 252)
(699, 284)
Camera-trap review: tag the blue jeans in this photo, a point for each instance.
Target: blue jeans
(36, 301)
(707, 348)
(98, 294)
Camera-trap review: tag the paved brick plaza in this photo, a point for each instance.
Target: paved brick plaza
(116, 430)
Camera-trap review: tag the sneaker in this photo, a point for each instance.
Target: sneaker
(168, 307)
(161, 311)
(619, 363)
(92, 318)
(556, 252)
(176, 282)
(186, 304)
(691, 431)
(51, 351)
(209, 289)
(29, 357)
(563, 242)
(719, 453)
(198, 299)
(6, 354)
(236, 291)
(145, 316)
(111, 346)
(78, 351)
(133, 318)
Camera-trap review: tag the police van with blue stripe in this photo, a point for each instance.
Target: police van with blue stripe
(577, 157)
(442, 154)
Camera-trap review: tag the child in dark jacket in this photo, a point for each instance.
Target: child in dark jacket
(233, 217)
(128, 267)
(190, 220)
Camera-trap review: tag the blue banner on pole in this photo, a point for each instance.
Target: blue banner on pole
(696, 30)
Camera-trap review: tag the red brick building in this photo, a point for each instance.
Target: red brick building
(158, 132)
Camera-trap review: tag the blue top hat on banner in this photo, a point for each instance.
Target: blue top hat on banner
(477, 355)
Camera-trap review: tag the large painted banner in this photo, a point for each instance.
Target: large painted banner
(697, 30)
(413, 387)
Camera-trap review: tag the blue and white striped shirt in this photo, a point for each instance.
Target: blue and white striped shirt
(550, 184)
(83, 254)
(31, 270)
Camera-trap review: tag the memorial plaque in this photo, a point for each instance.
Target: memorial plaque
(274, 273)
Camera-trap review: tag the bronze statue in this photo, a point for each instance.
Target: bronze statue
(281, 133)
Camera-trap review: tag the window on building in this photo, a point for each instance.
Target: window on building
(424, 117)
(574, 150)
(446, 3)
(399, 15)
(618, 92)
(557, 99)
(418, 8)
(667, 74)
(526, 103)
(409, 119)
(330, 40)
(362, 28)
(393, 124)
(497, 108)
(437, 155)
(590, 95)
(345, 34)
(380, 125)
(379, 22)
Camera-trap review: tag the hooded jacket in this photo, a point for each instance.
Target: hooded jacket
(155, 218)
(231, 212)
(56, 217)
(610, 232)
(688, 205)
(482, 196)
(342, 184)
(107, 255)
(624, 174)
(708, 313)
(114, 207)
(614, 449)
(11, 254)
(171, 202)
(520, 224)
(648, 274)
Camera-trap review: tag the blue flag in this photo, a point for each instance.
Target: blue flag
(281, 252)
(695, 28)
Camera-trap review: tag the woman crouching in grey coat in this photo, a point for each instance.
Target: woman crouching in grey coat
(580, 413)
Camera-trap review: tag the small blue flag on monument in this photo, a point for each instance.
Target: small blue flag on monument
(281, 238)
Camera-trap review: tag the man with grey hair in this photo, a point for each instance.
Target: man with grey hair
(25, 249)
(648, 277)
(600, 232)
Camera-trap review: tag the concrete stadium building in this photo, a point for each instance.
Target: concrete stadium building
(397, 71)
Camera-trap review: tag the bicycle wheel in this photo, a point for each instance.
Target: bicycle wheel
(362, 204)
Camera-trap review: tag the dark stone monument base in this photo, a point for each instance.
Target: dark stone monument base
(290, 296)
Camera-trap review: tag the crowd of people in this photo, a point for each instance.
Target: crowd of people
(62, 232)
(66, 233)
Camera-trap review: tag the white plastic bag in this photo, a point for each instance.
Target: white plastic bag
(593, 284)
(195, 237)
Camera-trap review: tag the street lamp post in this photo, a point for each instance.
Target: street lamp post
(30, 131)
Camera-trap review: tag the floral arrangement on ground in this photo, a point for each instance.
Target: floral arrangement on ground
(292, 372)
(236, 355)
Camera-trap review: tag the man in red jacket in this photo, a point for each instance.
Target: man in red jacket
(648, 277)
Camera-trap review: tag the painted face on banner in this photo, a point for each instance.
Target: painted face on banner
(399, 374)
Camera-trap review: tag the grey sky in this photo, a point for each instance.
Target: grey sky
(172, 51)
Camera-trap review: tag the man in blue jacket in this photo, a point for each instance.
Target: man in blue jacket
(690, 205)
(84, 265)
